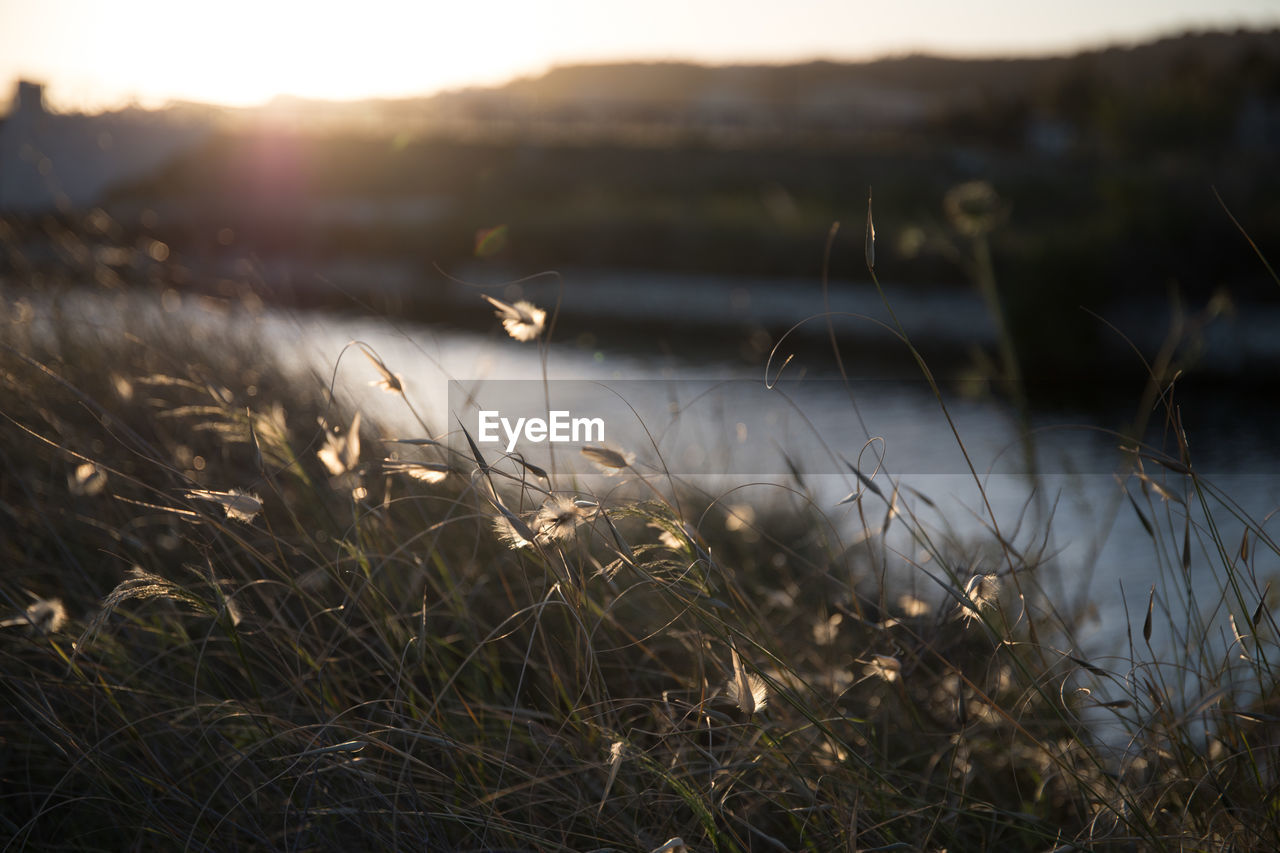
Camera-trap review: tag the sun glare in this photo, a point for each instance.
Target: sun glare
(244, 53)
(95, 54)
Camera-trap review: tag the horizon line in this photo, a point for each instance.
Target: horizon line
(132, 102)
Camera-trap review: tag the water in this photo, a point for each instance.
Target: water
(1101, 550)
(1103, 553)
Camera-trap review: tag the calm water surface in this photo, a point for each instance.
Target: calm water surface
(1103, 552)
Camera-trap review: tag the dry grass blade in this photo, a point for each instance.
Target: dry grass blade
(1161, 492)
(475, 451)
(1146, 625)
(512, 528)
(745, 698)
(427, 472)
(535, 470)
(1207, 701)
(1246, 236)
(1239, 637)
(922, 497)
(1146, 525)
(387, 380)
(864, 479)
(615, 762)
(869, 246)
(238, 504)
(1262, 606)
(1186, 544)
(607, 458)
(1166, 462)
(1081, 662)
(748, 691)
(623, 548)
(890, 512)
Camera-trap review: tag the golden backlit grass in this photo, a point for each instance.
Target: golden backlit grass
(273, 639)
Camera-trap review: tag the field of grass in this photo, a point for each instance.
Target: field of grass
(236, 617)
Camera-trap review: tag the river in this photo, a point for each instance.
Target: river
(711, 421)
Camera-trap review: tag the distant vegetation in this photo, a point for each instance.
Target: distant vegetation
(1105, 163)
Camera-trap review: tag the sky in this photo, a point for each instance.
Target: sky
(102, 54)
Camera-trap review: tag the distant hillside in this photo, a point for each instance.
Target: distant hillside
(913, 86)
(891, 91)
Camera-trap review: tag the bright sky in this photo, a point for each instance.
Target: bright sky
(100, 53)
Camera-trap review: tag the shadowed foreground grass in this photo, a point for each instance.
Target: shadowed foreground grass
(343, 654)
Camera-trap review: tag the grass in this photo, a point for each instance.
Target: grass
(354, 659)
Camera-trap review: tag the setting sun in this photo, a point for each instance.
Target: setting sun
(244, 53)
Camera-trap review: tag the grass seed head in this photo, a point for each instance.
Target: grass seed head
(523, 321)
(981, 593)
(747, 690)
(43, 617)
(608, 460)
(387, 381)
(341, 452)
(239, 504)
(508, 534)
(87, 479)
(558, 519)
(886, 667)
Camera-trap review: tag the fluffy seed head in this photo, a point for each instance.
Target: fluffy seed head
(883, 666)
(508, 534)
(46, 616)
(88, 479)
(747, 690)
(756, 695)
(982, 591)
(558, 519)
(523, 321)
(341, 453)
